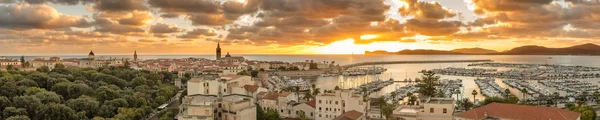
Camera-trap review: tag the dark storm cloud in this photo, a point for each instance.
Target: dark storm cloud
(120, 5)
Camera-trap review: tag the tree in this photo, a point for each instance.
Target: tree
(19, 117)
(86, 104)
(59, 66)
(587, 112)
(44, 69)
(138, 81)
(524, 90)
(556, 97)
(464, 104)
(4, 102)
(9, 67)
(272, 114)
(474, 93)
(429, 83)
(308, 96)
(48, 97)
(411, 98)
(30, 103)
(130, 113)
(127, 64)
(382, 103)
(260, 113)
(336, 88)
(12, 111)
(393, 95)
(55, 111)
(507, 92)
(23, 61)
(301, 115)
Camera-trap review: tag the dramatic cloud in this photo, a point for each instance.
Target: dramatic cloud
(425, 10)
(198, 33)
(37, 16)
(162, 29)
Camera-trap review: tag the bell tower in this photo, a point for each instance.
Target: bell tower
(218, 51)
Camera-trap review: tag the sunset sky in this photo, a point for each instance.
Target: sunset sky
(40, 27)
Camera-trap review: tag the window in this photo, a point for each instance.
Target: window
(336, 102)
(430, 110)
(319, 108)
(320, 115)
(445, 111)
(319, 101)
(311, 114)
(281, 110)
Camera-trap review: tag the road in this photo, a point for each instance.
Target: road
(173, 105)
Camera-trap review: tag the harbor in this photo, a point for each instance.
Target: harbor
(489, 87)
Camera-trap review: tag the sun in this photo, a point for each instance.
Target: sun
(241, 1)
(367, 37)
(347, 46)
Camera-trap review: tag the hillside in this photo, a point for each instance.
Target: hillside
(473, 51)
(585, 49)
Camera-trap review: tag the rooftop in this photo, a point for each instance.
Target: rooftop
(350, 115)
(519, 112)
(440, 101)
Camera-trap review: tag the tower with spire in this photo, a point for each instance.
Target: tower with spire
(218, 51)
(91, 55)
(135, 55)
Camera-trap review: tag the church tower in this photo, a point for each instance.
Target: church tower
(91, 55)
(218, 51)
(135, 55)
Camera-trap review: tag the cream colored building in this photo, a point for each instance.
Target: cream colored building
(39, 62)
(213, 85)
(332, 105)
(429, 109)
(4, 61)
(283, 102)
(215, 107)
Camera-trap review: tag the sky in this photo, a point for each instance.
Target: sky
(75, 27)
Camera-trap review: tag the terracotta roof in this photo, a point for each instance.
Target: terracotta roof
(262, 93)
(519, 112)
(284, 94)
(312, 103)
(350, 115)
(271, 96)
(251, 88)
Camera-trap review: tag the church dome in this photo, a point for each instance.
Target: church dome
(227, 55)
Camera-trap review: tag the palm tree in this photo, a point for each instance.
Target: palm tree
(457, 93)
(507, 92)
(412, 99)
(556, 97)
(297, 91)
(393, 95)
(524, 93)
(474, 93)
(382, 103)
(308, 96)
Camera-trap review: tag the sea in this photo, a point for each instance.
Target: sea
(394, 71)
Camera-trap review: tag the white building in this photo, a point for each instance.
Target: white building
(332, 105)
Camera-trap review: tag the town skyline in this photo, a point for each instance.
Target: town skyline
(288, 27)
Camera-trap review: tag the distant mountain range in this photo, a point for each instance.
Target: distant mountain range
(585, 49)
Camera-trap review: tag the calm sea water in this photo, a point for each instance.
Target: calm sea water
(397, 71)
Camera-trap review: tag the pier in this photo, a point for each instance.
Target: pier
(411, 62)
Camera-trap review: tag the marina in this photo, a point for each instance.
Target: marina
(373, 86)
(532, 90)
(489, 87)
(572, 87)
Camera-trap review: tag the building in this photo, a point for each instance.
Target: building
(216, 107)
(218, 51)
(332, 105)
(39, 62)
(135, 56)
(283, 102)
(14, 62)
(213, 85)
(429, 109)
(308, 108)
(501, 111)
(351, 115)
